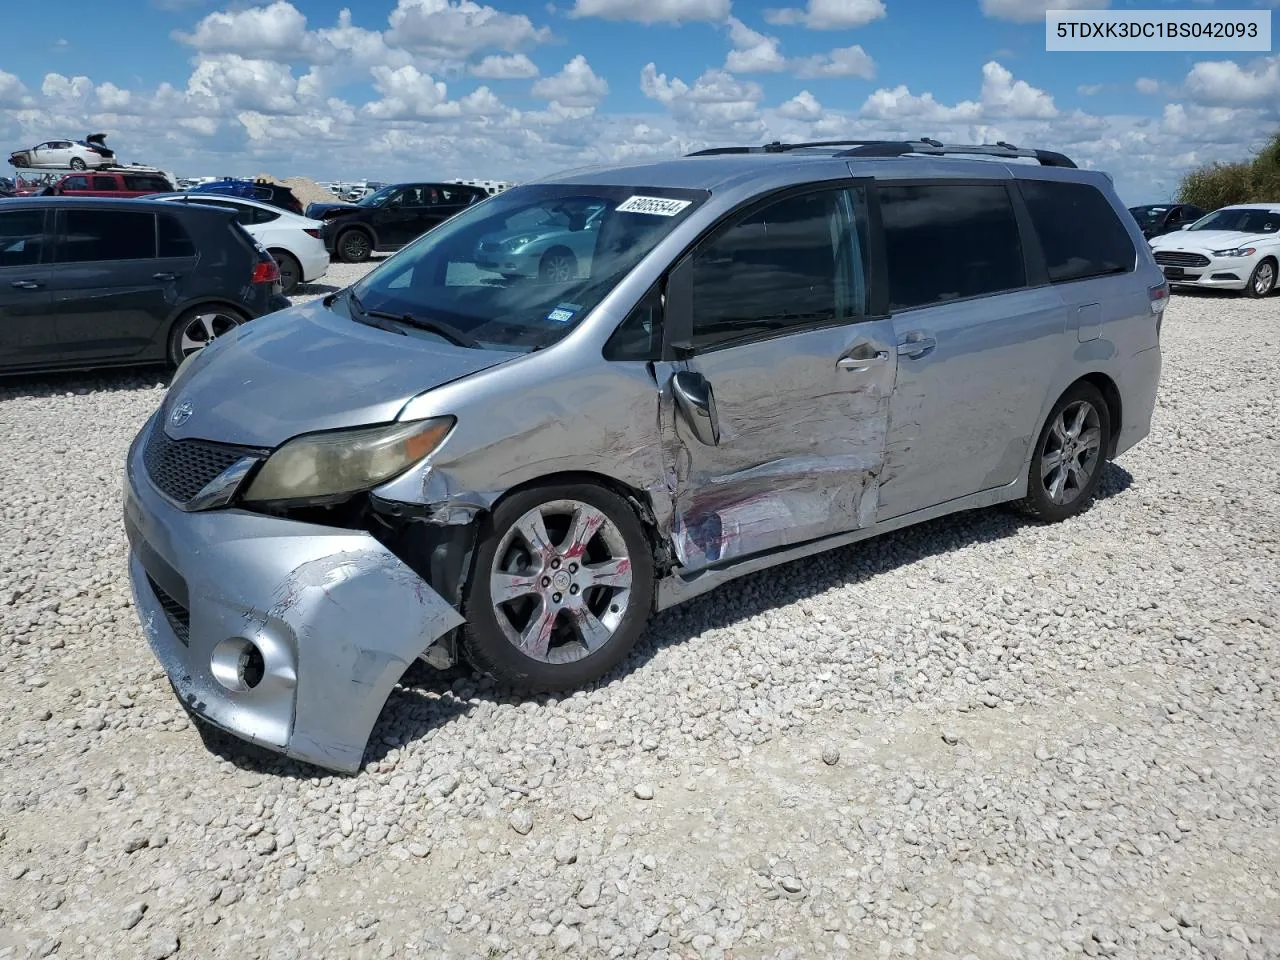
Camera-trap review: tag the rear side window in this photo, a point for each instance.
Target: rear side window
(798, 262)
(75, 183)
(92, 236)
(21, 237)
(173, 238)
(947, 242)
(150, 184)
(105, 183)
(1079, 231)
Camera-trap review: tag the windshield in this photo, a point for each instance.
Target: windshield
(375, 199)
(520, 270)
(1241, 221)
(1148, 216)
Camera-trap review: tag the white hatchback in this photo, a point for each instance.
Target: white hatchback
(1234, 248)
(294, 242)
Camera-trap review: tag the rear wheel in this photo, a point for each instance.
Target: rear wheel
(199, 327)
(1069, 456)
(290, 270)
(1263, 279)
(353, 246)
(561, 590)
(76, 163)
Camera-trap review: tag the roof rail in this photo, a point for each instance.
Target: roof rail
(900, 148)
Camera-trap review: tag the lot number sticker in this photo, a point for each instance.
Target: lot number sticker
(657, 206)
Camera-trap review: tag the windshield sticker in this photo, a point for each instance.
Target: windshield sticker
(657, 206)
(560, 315)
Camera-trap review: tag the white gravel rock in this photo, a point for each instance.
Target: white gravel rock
(1117, 798)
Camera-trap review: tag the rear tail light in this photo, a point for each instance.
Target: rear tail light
(1159, 295)
(266, 270)
(312, 233)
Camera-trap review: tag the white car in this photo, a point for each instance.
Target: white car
(1234, 248)
(90, 153)
(294, 242)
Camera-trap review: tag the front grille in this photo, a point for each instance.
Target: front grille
(1175, 258)
(182, 468)
(178, 616)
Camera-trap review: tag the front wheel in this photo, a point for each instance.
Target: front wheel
(558, 266)
(1069, 456)
(561, 589)
(197, 328)
(1263, 279)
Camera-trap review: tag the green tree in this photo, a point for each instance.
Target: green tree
(1219, 184)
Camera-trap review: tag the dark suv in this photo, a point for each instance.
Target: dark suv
(275, 194)
(96, 283)
(392, 217)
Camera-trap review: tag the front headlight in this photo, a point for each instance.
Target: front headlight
(1235, 252)
(345, 461)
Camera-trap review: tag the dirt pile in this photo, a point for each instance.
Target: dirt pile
(304, 188)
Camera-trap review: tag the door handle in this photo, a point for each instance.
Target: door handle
(916, 346)
(26, 284)
(862, 364)
(164, 276)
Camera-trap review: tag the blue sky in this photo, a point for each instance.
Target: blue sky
(396, 88)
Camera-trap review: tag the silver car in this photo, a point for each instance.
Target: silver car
(555, 243)
(772, 352)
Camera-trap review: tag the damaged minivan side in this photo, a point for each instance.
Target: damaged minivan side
(598, 395)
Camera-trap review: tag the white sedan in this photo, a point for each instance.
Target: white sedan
(293, 241)
(1234, 248)
(91, 152)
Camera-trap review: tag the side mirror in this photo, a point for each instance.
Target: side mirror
(698, 404)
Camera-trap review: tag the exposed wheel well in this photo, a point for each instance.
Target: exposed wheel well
(1110, 393)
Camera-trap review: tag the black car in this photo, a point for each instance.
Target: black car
(1156, 219)
(96, 282)
(7, 187)
(276, 194)
(392, 217)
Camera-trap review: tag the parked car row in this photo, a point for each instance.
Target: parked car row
(1234, 248)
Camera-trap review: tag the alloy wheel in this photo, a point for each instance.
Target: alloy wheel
(203, 329)
(1072, 452)
(1264, 279)
(561, 581)
(558, 268)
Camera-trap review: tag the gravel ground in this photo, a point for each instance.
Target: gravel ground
(977, 738)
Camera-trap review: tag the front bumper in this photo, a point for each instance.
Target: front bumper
(335, 616)
(522, 264)
(1221, 273)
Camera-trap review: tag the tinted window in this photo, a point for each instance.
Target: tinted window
(104, 183)
(1079, 232)
(75, 183)
(245, 214)
(174, 239)
(949, 241)
(639, 337)
(21, 237)
(795, 263)
(90, 236)
(150, 184)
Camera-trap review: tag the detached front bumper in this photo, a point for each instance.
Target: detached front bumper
(324, 620)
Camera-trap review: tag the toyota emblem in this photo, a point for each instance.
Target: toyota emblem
(181, 414)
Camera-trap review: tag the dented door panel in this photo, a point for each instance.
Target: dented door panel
(801, 442)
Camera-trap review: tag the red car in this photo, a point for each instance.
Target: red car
(109, 184)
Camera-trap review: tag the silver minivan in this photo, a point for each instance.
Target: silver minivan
(769, 352)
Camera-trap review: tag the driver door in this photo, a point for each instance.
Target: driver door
(775, 428)
(396, 220)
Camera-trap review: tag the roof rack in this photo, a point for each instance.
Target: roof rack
(925, 146)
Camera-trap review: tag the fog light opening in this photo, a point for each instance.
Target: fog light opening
(238, 664)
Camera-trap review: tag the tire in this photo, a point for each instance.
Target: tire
(1263, 279)
(558, 265)
(547, 589)
(194, 329)
(353, 246)
(290, 270)
(1056, 493)
(76, 164)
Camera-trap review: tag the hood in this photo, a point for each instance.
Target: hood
(533, 234)
(308, 368)
(1207, 240)
(317, 210)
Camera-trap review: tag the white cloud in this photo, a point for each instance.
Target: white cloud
(652, 11)
(829, 14)
(752, 52)
(409, 94)
(1090, 89)
(455, 29)
(58, 87)
(275, 30)
(803, 106)
(576, 85)
(1033, 11)
(1003, 96)
(496, 67)
(12, 91)
(1147, 85)
(843, 62)
(229, 82)
(1224, 82)
(112, 98)
(717, 104)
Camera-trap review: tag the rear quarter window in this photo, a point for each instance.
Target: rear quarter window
(1078, 229)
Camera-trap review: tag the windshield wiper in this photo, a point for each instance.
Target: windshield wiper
(360, 315)
(439, 328)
